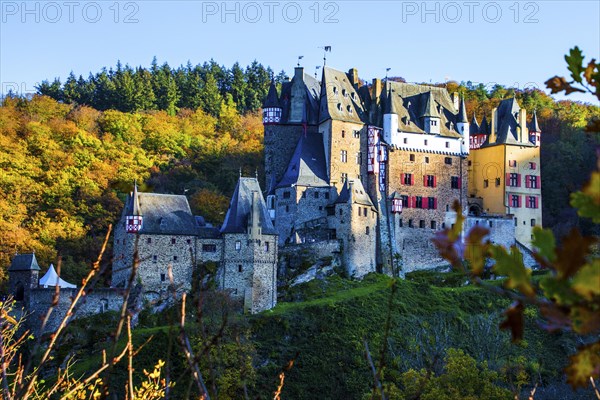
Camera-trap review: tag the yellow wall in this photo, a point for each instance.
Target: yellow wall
(493, 162)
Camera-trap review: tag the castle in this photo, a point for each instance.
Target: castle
(370, 170)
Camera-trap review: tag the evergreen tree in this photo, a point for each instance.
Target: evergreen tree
(211, 98)
(238, 87)
(50, 89)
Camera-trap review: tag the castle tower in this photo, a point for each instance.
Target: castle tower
(249, 266)
(431, 117)
(390, 118)
(272, 108)
(23, 275)
(462, 125)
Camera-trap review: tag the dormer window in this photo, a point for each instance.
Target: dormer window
(334, 90)
(339, 106)
(349, 108)
(344, 93)
(353, 96)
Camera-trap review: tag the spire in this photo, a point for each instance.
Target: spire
(430, 110)
(484, 127)
(390, 107)
(462, 111)
(135, 200)
(474, 128)
(272, 101)
(534, 126)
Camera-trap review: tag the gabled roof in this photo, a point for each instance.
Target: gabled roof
(410, 102)
(340, 100)
(272, 101)
(51, 278)
(484, 128)
(508, 111)
(474, 126)
(24, 262)
(359, 194)
(163, 214)
(312, 88)
(390, 106)
(240, 208)
(534, 126)
(307, 165)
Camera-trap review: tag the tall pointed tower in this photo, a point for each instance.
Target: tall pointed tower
(272, 108)
(534, 130)
(462, 124)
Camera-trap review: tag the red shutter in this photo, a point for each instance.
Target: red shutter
(412, 179)
(537, 202)
(519, 200)
(527, 181)
(435, 203)
(424, 180)
(507, 179)
(518, 180)
(434, 181)
(526, 201)
(459, 182)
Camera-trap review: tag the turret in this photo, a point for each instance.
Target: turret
(272, 108)
(298, 101)
(390, 118)
(462, 125)
(431, 117)
(133, 221)
(534, 130)
(23, 275)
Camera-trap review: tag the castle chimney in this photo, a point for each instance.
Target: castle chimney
(255, 227)
(298, 100)
(493, 126)
(350, 191)
(376, 90)
(353, 76)
(523, 131)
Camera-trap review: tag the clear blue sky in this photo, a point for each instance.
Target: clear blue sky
(511, 43)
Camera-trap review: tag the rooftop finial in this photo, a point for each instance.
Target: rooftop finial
(256, 173)
(300, 58)
(240, 172)
(326, 49)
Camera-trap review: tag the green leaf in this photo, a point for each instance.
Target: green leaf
(543, 240)
(512, 266)
(587, 201)
(587, 281)
(575, 63)
(585, 364)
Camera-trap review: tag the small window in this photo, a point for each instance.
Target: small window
(155, 258)
(419, 202)
(405, 140)
(412, 157)
(344, 177)
(400, 222)
(497, 182)
(173, 240)
(433, 225)
(448, 160)
(344, 156)
(491, 224)
(320, 208)
(266, 247)
(327, 195)
(408, 180)
(287, 208)
(343, 133)
(447, 144)
(286, 195)
(240, 268)
(163, 277)
(469, 163)
(421, 223)
(426, 160)
(410, 223)
(339, 106)
(516, 222)
(367, 230)
(189, 241)
(512, 163)
(533, 222)
(425, 142)
(316, 194)
(486, 183)
(238, 245)
(356, 133)
(349, 109)
(532, 165)
(175, 258)
(209, 248)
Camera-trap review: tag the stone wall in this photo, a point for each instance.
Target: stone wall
(339, 136)
(416, 249)
(94, 302)
(502, 229)
(205, 247)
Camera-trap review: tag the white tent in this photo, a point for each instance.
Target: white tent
(52, 279)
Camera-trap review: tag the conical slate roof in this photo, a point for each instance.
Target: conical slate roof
(359, 194)
(474, 127)
(430, 110)
(240, 209)
(307, 166)
(272, 101)
(462, 112)
(24, 262)
(484, 128)
(534, 126)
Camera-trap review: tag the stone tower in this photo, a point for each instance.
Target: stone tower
(23, 275)
(249, 266)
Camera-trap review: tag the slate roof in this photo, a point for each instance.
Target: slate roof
(484, 128)
(272, 101)
(340, 100)
(313, 90)
(240, 208)
(534, 126)
(24, 262)
(359, 194)
(163, 214)
(307, 165)
(474, 126)
(412, 102)
(462, 112)
(508, 111)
